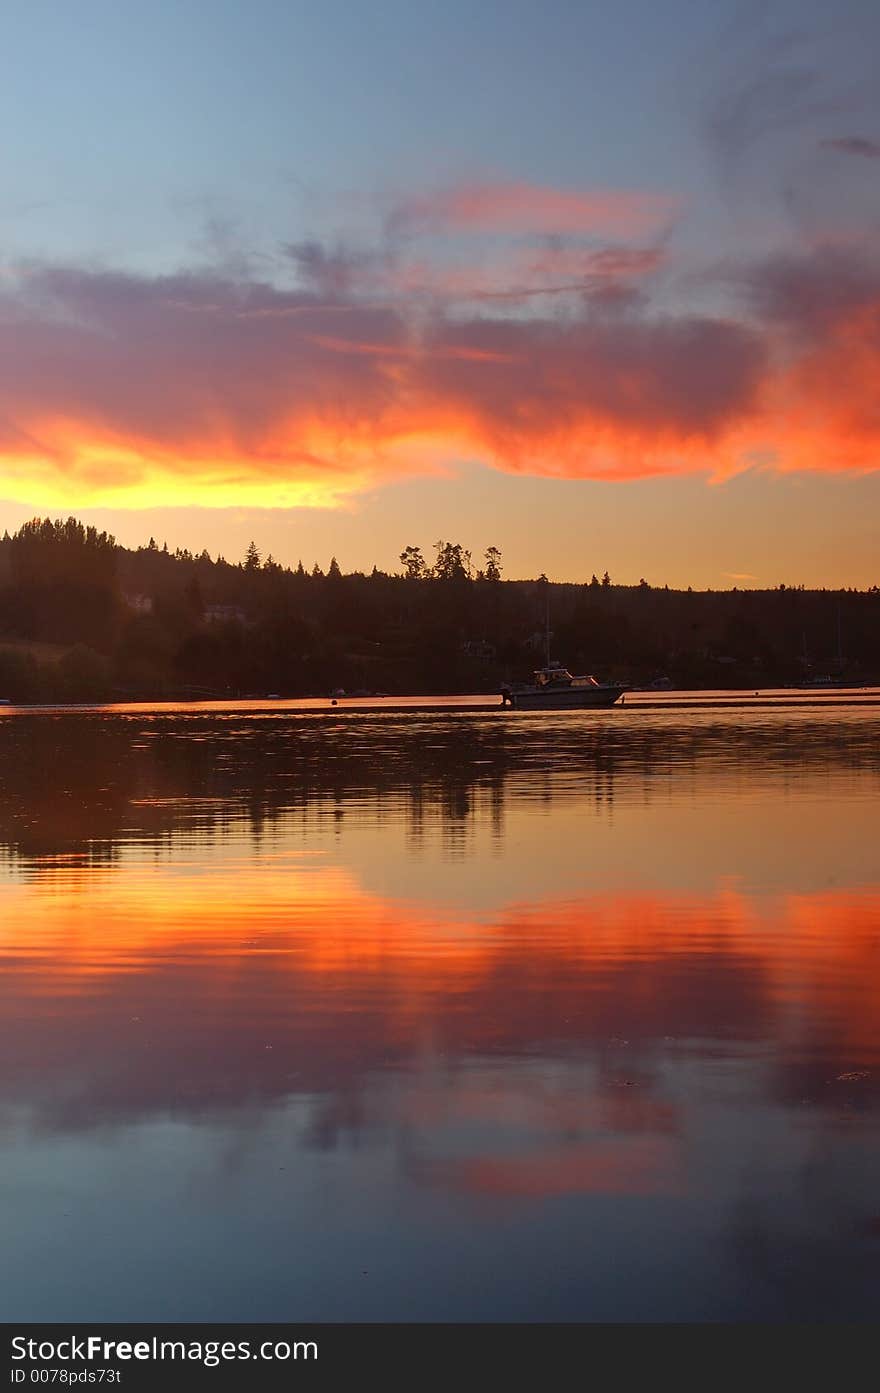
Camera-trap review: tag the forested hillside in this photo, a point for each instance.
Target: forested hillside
(82, 618)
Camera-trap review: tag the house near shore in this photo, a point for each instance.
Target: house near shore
(225, 614)
(140, 604)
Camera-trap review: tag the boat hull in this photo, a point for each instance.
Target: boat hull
(565, 699)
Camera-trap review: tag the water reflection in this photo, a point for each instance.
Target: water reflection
(573, 1018)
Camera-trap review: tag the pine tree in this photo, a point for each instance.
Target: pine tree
(453, 562)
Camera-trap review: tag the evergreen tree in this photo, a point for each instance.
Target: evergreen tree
(452, 562)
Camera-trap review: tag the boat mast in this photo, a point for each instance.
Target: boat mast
(547, 621)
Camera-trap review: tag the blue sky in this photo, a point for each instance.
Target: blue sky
(136, 127)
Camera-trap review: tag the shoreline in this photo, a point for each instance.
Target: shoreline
(771, 698)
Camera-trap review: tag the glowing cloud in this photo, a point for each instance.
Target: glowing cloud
(204, 389)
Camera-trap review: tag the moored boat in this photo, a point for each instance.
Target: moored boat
(555, 689)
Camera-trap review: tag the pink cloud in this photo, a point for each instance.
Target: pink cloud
(529, 208)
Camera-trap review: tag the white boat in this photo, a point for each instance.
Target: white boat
(555, 689)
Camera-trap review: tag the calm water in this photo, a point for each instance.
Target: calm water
(441, 1014)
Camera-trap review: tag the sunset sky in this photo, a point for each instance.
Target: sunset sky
(596, 284)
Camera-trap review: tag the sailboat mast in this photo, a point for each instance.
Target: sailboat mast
(547, 645)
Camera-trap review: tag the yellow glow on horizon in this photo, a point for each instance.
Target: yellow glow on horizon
(105, 476)
(321, 473)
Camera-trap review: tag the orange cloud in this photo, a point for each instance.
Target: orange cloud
(202, 390)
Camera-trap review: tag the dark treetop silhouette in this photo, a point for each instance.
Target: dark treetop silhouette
(82, 618)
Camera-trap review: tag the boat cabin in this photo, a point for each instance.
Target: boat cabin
(555, 675)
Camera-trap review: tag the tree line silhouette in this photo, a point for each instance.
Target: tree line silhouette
(83, 619)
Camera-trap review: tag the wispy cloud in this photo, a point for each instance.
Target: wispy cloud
(529, 208)
(855, 145)
(785, 84)
(514, 273)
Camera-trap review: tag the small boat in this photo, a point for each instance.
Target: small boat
(555, 689)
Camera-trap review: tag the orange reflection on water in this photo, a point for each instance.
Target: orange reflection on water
(77, 923)
(634, 1166)
(169, 987)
